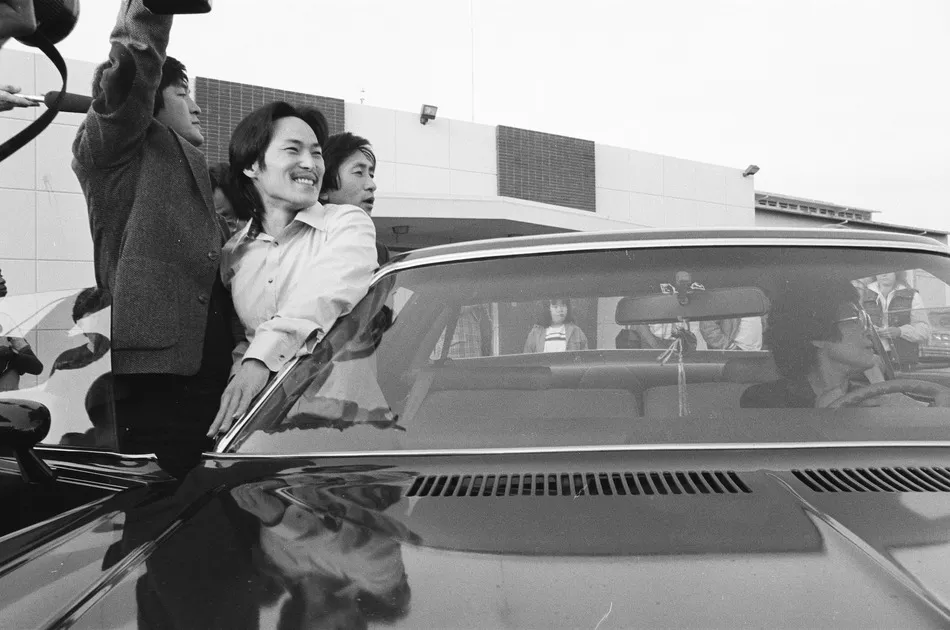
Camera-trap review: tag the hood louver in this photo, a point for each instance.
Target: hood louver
(876, 479)
(579, 484)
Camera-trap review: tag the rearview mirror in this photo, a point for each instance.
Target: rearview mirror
(23, 424)
(714, 304)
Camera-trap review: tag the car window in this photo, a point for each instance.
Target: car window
(55, 350)
(613, 347)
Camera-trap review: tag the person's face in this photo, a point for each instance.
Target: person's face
(558, 313)
(855, 349)
(886, 279)
(357, 183)
(180, 113)
(292, 171)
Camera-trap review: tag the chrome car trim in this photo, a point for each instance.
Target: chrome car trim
(91, 451)
(224, 442)
(614, 448)
(529, 250)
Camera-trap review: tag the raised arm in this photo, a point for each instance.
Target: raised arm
(122, 109)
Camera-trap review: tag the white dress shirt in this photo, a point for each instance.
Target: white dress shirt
(286, 288)
(918, 330)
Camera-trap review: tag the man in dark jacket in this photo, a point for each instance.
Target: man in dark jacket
(157, 241)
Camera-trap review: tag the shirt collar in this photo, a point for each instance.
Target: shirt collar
(315, 216)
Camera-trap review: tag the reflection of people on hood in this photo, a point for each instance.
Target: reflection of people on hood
(340, 561)
(93, 322)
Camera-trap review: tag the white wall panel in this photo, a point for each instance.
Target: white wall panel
(472, 147)
(17, 223)
(422, 145)
(54, 156)
(62, 228)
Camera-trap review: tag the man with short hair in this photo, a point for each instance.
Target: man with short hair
(157, 243)
(350, 177)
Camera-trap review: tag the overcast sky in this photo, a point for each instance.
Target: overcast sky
(846, 102)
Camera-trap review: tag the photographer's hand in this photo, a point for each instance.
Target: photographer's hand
(9, 98)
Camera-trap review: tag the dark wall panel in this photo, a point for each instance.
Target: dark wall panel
(546, 168)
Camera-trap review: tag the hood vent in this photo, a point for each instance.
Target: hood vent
(578, 484)
(876, 479)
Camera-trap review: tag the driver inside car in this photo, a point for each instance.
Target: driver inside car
(822, 346)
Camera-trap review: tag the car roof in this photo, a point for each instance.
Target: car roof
(668, 237)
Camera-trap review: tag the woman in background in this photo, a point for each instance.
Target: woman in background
(555, 330)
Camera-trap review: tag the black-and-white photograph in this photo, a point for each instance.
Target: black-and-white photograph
(474, 314)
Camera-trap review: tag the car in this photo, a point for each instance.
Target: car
(488, 440)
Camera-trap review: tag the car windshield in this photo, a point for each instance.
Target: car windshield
(673, 345)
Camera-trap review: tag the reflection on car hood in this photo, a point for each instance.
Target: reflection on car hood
(311, 546)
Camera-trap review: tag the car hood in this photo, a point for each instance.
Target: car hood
(451, 546)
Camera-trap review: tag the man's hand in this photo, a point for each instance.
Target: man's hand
(9, 98)
(17, 19)
(890, 332)
(250, 379)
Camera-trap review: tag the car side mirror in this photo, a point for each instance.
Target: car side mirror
(23, 424)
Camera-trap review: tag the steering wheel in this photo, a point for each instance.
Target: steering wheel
(939, 393)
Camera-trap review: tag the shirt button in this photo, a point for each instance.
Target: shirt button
(212, 255)
(203, 298)
(270, 280)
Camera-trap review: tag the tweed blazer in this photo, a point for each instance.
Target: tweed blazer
(157, 239)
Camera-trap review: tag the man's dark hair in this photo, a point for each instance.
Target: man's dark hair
(249, 143)
(173, 73)
(339, 147)
(804, 312)
(544, 312)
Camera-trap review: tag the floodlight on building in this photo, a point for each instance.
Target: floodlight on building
(400, 230)
(751, 170)
(428, 113)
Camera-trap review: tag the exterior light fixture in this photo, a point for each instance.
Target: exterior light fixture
(751, 170)
(399, 230)
(428, 113)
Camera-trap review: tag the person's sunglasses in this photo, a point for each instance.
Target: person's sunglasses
(861, 317)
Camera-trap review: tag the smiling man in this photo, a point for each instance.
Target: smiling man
(298, 264)
(157, 241)
(351, 177)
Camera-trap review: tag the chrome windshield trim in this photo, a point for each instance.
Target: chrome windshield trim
(615, 448)
(224, 442)
(53, 448)
(555, 248)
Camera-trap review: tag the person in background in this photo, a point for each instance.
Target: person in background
(351, 177)
(297, 265)
(156, 243)
(898, 315)
(225, 196)
(555, 330)
(739, 333)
